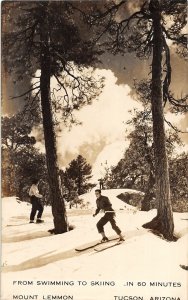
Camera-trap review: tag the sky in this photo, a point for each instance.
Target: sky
(101, 138)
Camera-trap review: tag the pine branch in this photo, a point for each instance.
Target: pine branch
(31, 107)
(66, 97)
(24, 31)
(26, 93)
(174, 127)
(100, 15)
(179, 104)
(181, 39)
(109, 11)
(134, 16)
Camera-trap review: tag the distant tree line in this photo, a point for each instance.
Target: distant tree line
(136, 169)
(21, 161)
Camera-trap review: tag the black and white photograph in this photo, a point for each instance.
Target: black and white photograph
(94, 150)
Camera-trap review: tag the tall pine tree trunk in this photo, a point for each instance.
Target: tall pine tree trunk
(58, 206)
(163, 222)
(149, 193)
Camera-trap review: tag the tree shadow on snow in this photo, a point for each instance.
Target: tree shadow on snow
(49, 257)
(182, 232)
(24, 237)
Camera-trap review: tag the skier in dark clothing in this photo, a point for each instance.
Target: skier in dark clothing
(104, 203)
(36, 202)
(101, 184)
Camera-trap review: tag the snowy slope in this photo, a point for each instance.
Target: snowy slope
(30, 253)
(112, 194)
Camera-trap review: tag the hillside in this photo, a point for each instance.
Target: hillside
(90, 200)
(33, 259)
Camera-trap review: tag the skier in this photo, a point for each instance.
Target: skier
(36, 202)
(104, 204)
(101, 184)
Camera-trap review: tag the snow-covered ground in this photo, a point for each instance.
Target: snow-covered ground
(90, 199)
(37, 265)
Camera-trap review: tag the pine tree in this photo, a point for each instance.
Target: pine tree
(136, 169)
(43, 36)
(179, 177)
(80, 172)
(15, 138)
(21, 161)
(145, 32)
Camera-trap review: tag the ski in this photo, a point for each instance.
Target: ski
(94, 245)
(105, 247)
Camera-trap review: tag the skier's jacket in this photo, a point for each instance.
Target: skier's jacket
(103, 203)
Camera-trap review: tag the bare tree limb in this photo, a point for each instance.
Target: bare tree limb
(27, 92)
(174, 127)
